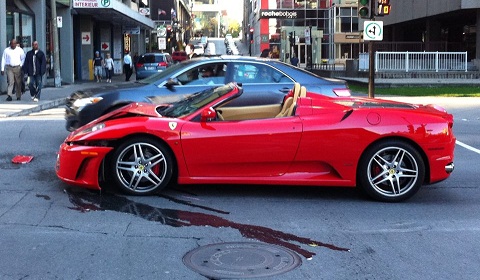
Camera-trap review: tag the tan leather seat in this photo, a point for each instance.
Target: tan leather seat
(302, 92)
(289, 101)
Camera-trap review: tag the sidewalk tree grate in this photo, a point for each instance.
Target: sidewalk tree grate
(241, 260)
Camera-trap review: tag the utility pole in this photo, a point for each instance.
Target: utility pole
(371, 58)
(371, 69)
(56, 56)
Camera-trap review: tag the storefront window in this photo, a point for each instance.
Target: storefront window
(347, 20)
(26, 32)
(20, 25)
(312, 4)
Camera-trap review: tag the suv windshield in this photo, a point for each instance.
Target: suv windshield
(193, 102)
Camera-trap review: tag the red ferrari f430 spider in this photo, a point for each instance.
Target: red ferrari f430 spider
(388, 149)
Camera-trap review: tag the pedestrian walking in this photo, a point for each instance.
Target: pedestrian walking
(127, 66)
(294, 60)
(34, 67)
(109, 67)
(12, 62)
(98, 65)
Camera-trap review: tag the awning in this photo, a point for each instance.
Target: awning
(114, 12)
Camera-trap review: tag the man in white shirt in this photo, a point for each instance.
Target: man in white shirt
(12, 62)
(127, 66)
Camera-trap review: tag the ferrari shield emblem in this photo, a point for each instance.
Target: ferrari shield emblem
(172, 125)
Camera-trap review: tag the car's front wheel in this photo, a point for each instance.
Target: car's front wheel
(391, 171)
(141, 166)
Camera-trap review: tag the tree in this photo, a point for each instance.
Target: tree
(234, 28)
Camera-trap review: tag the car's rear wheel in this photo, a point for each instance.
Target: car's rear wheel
(141, 166)
(391, 171)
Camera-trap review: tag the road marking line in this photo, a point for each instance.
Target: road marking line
(468, 147)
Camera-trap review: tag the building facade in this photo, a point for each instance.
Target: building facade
(173, 24)
(316, 31)
(281, 28)
(434, 25)
(84, 26)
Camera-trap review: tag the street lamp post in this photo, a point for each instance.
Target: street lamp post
(310, 47)
(56, 56)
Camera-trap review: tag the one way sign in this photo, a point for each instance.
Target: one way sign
(373, 31)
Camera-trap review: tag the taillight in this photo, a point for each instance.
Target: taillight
(138, 65)
(163, 63)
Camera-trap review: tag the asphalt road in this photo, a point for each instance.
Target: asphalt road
(50, 230)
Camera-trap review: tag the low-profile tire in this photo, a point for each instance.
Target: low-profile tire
(141, 166)
(391, 171)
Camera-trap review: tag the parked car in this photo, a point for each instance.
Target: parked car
(388, 149)
(204, 41)
(179, 56)
(199, 49)
(228, 39)
(152, 63)
(210, 49)
(188, 77)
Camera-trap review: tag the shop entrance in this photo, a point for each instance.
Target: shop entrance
(301, 53)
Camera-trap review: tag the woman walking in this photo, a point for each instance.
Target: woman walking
(109, 67)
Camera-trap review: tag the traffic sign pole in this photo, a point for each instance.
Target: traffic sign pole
(371, 55)
(371, 70)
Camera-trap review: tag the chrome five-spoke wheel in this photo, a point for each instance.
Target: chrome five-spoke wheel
(391, 171)
(141, 166)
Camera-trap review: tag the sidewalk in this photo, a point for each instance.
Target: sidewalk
(52, 97)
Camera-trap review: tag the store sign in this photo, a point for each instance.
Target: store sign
(162, 43)
(144, 11)
(91, 3)
(285, 14)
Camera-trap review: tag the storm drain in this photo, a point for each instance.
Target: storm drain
(241, 260)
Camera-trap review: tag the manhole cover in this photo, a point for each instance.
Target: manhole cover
(241, 260)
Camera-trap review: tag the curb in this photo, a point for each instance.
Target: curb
(40, 107)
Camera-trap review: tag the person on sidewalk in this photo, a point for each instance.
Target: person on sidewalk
(294, 60)
(109, 67)
(98, 66)
(35, 66)
(191, 51)
(127, 66)
(12, 62)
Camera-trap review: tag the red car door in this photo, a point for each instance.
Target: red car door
(249, 148)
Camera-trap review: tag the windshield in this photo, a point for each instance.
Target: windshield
(193, 102)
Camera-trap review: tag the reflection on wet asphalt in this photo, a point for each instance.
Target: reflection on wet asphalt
(85, 201)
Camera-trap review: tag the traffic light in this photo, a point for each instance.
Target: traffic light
(383, 8)
(364, 10)
(290, 38)
(251, 34)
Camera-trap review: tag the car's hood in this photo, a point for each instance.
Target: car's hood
(137, 109)
(132, 109)
(101, 91)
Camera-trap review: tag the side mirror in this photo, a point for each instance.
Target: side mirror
(172, 82)
(208, 114)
